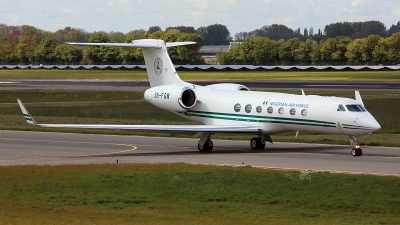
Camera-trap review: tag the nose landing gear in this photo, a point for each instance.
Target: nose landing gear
(356, 151)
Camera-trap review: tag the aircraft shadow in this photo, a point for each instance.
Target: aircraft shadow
(232, 150)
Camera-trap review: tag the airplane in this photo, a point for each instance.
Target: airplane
(234, 109)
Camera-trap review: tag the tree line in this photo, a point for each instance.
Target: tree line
(352, 30)
(371, 50)
(29, 45)
(357, 43)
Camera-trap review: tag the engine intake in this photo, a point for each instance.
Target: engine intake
(172, 97)
(187, 98)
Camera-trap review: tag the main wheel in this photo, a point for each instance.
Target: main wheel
(354, 152)
(255, 143)
(203, 148)
(207, 147)
(210, 145)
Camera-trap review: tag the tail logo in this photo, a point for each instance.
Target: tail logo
(158, 66)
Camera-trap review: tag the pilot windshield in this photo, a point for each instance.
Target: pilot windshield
(355, 108)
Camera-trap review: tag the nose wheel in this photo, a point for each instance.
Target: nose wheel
(356, 151)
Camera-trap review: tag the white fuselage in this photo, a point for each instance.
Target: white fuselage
(275, 112)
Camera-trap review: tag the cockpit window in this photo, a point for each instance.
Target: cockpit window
(363, 108)
(341, 108)
(355, 108)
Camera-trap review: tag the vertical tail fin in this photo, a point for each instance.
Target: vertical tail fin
(160, 69)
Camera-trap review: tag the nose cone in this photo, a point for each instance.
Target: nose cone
(372, 124)
(375, 125)
(369, 124)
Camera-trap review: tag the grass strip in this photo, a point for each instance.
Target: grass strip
(192, 194)
(10, 96)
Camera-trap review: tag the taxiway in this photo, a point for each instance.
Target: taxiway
(129, 85)
(40, 148)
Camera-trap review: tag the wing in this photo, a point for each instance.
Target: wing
(178, 129)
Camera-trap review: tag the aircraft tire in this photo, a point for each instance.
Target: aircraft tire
(354, 152)
(207, 147)
(255, 143)
(210, 145)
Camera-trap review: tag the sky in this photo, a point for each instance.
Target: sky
(236, 15)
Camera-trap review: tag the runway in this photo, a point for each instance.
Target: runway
(128, 85)
(39, 148)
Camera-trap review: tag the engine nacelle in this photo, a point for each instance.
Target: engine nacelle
(229, 86)
(171, 97)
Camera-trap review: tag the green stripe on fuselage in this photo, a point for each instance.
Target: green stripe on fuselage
(270, 119)
(353, 127)
(260, 119)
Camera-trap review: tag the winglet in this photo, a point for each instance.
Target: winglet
(358, 98)
(26, 114)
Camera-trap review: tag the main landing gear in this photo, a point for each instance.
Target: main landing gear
(205, 143)
(259, 142)
(356, 151)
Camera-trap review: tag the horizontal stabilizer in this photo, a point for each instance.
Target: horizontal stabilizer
(143, 43)
(173, 44)
(133, 45)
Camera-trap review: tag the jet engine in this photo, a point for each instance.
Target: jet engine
(172, 97)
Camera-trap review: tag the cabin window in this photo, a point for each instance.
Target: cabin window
(355, 108)
(304, 112)
(292, 111)
(259, 109)
(270, 110)
(281, 110)
(237, 107)
(247, 108)
(341, 108)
